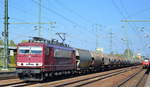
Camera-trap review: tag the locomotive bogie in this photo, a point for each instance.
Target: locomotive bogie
(29, 74)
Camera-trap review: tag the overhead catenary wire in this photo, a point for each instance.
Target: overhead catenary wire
(135, 26)
(140, 12)
(62, 16)
(63, 6)
(122, 14)
(29, 13)
(20, 19)
(24, 12)
(73, 11)
(58, 14)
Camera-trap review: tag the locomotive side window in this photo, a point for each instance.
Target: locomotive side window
(24, 50)
(36, 50)
(47, 51)
(59, 53)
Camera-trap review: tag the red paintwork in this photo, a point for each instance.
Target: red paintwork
(49, 62)
(33, 57)
(146, 63)
(59, 64)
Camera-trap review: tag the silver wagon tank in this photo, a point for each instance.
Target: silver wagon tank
(84, 58)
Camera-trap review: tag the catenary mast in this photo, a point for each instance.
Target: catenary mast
(5, 34)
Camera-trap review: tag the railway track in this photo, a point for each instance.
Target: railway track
(137, 79)
(7, 75)
(19, 84)
(91, 79)
(142, 81)
(7, 72)
(23, 83)
(84, 80)
(72, 82)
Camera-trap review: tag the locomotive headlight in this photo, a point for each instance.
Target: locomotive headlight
(19, 64)
(39, 64)
(29, 64)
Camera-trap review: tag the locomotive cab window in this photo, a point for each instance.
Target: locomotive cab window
(30, 50)
(24, 50)
(36, 50)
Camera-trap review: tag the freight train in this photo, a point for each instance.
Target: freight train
(39, 59)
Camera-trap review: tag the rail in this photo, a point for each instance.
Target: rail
(92, 79)
(127, 79)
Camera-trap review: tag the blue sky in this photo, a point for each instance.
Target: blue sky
(77, 18)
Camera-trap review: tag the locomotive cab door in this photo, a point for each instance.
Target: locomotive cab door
(48, 58)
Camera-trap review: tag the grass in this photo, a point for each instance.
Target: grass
(9, 70)
(11, 66)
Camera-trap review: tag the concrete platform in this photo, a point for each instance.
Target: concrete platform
(148, 81)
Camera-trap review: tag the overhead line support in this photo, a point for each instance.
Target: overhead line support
(39, 27)
(5, 34)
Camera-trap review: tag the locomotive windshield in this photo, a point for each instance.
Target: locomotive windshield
(36, 50)
(24, 50)
(30, 50)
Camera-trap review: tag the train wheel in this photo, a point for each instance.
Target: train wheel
(42, 77)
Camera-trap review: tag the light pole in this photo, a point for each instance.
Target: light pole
(97, 26)
(111, 41)
(127, 45)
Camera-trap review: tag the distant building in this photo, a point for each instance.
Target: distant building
(99, 50)
(139, 56)
(12, 49)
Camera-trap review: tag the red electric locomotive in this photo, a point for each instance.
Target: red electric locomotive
(146, 63)
(40, 58)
